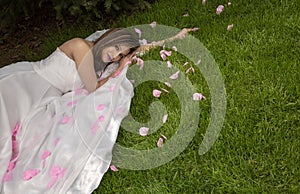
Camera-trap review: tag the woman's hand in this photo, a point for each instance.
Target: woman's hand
(126, 60)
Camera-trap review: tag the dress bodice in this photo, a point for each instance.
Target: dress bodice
(59, 70)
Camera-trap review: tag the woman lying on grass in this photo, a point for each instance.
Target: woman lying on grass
(59, 117)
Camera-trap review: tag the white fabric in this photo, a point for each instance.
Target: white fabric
(66, 136)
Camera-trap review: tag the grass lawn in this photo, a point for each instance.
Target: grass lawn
(257, 150)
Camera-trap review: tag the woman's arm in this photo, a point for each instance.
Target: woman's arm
(80, 51)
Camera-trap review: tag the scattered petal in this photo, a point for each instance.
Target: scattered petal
(168, 53)
(160, 142)
(185, 64)
(165, 117)
(156, 93)
(168, 84)
(66, 120)
(165, 90)
(138, 31)
(185, 15)
(163, 56)
(143, 42)
(219, 9)
(198, 62)
(174, 48)
(229, 27)
(203, 2)
(29, 174)
(132, 81)
(153, 24)
(229, 3)
(144, 131)
(175, 75)
(72, 103)
(189, 69)
(169, 64)
(195, 29)
(198, 96)
(100, 107)
(140, 62)
(113, 168)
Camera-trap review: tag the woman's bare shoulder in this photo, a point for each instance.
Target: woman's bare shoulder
(75, 45)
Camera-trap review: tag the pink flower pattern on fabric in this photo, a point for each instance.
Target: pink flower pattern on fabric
(66, 120)
(72, 103)
(56, 172)
(29, 174)
(100, 107)
(96, 126)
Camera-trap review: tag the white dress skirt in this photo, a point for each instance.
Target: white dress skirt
(55, 136)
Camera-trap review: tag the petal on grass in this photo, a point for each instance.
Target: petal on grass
(169, 64)
(165, 90)
(160, 142)
(229, 3)
(174, 48)
(156, 93)
(219, 9)
(165, 117)
(229, 27)
(175, 75)
(185, 15)
(198, 96)
(153, 24)
(138, 31)
(168, 84)
(113, 168)
(185, 64)
(203, 2)
(143, 131)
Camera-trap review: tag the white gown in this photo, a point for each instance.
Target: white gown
(55, 136)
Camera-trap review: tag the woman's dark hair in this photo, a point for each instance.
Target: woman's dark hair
(112, 37)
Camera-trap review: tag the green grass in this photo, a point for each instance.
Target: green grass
(258, 148)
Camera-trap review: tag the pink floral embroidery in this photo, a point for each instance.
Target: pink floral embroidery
(100, 107)
(66, 120)
(56, 172)
(72, 103)
(56, 141)
(29, 174)
(45, 155)
(112, 87)
(95, 126)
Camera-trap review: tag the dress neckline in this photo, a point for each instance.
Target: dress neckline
(64, 54)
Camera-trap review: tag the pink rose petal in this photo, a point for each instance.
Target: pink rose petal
(168, 84)
(140, 62)
(143, 131)
(174, 48)
(165, 90)
(163, 56)
(143, 42)
(100, 107)
(198, 62)
(138, 31)
(113, 168)
(189, 69)
(168, 53)
(229, 27)
(153, 24)
(229, 3)
(169, 64)
(66, 120)
(29, 174)
(203, 2)
(185, 15)
(156, 93)
(219, 9)
(198, 96)
(185, 64)
(195, 29)
(160, 142)
(72, 103)
(165, 117)
(175, 75)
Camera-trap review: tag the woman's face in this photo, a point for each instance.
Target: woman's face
(114, 53)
